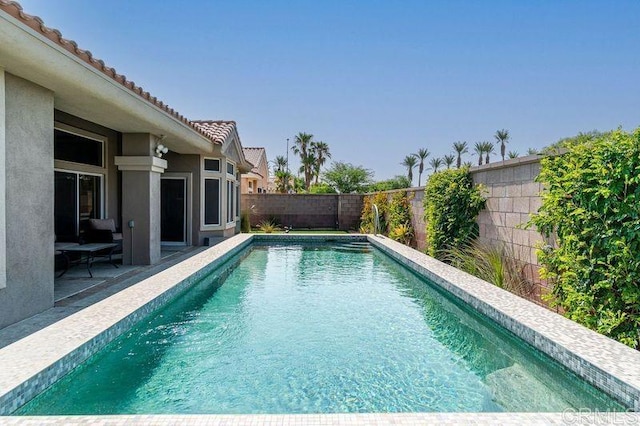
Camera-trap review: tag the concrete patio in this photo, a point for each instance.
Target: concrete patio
(75, 290)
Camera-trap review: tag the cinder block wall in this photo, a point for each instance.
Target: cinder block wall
(511, 191)
(512, 196)
(305, 211)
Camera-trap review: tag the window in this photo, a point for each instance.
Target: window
(230, 169)
(78, 191)
(78, 198)
(212, 165)
(77, 149)
(211, 201)
(230, 203)
(237, 201)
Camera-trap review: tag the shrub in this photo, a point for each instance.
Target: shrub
(245, 222)
(321, 188)
(402, 233)
(451, 204)
(494, 263)
(590, 202)
(399, 217)
(268, 226)
(367, 218)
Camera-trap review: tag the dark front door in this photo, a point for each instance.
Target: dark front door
(173, 223)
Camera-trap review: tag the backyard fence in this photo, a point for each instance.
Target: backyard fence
(305, 211)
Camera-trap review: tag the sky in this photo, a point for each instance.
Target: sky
(375, 80)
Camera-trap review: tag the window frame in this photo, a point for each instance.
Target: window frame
(204, 162)
(86, 135)
(209, 226)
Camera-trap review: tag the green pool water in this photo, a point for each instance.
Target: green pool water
(315, 330)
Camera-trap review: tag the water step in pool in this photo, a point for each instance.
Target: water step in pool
(354, 247)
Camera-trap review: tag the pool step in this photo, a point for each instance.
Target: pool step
(354, 247)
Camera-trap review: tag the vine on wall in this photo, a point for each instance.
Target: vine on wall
(591, 201)
(451, 204)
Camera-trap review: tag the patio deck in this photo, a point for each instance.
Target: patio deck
(75, 290)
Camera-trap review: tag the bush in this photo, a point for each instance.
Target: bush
(402, 233)
(321, 188)
(590, 202)
(245, 222)
(367, 218)
(494, 263)
(451, 204)
(268, 226)
(399, 218)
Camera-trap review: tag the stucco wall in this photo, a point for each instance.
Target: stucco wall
(315, 211)
(191, 163)
(3, 229)
(29, 200)
(112, 183)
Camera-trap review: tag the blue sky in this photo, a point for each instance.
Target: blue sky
(376, 80)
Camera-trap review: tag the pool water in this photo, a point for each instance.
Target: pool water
(315, 330)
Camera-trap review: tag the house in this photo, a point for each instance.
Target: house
(255, 181)
(80, 141)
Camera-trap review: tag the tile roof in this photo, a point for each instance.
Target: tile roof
(14, 9)
(216, 130)
(254, 156)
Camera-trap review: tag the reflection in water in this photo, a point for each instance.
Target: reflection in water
(312, 330)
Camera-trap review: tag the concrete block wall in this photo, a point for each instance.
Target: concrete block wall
(512, 197)
(305, 211)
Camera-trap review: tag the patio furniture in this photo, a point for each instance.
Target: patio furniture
(103, 231)
(88, 253)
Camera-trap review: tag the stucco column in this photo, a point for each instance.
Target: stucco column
(141, 172)
(3, 177)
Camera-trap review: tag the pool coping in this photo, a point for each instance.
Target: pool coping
(40, 359)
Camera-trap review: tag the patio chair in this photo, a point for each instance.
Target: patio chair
(103, 231)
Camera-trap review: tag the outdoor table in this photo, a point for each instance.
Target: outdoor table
(90, 252)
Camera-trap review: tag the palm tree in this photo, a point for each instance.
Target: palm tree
(448, 160)
(513, 154)
(488, 150)
(320, 153)
(279, 164)
(532, 151)
(479, 149)
(435, 164)
(502, 136)
(302, 147)
(283, 181)
(410, 162)
(460, 148)
(421, 155)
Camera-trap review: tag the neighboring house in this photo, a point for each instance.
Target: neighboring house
(80, 141)
(257, 180)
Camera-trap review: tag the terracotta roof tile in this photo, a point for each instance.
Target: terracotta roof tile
(216, 130)
(253, 155)
(14, 9)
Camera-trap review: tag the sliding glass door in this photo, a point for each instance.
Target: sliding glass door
(78, 198)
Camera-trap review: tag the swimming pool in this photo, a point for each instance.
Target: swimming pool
(315, 329)
(32, 364)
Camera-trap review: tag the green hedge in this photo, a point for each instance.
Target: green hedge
(451, 204)
(591, 202)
